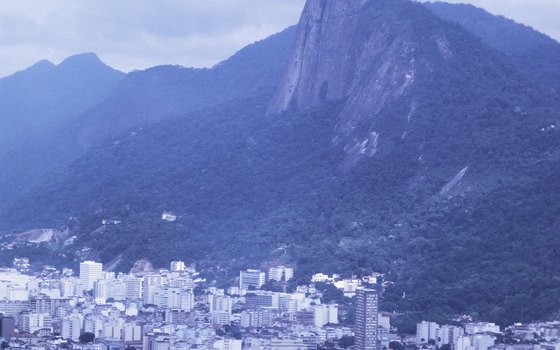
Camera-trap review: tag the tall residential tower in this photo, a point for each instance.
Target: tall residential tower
(90, 272)
(365, 329)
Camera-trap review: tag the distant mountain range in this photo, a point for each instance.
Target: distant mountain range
(45, 96)
(54, 124)
(37, 104)
(166, 92)
(384, 135)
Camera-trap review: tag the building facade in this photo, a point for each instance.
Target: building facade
(90, 272)
(249, 279)
(366, 319)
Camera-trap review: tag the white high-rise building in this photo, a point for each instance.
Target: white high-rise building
(463, 343)
(324, 314)
(251, 279)
(149, 286)
(94, 325)
(483, 341)
(32, 321)
(101, 289)
(160, 297)
(220, 318)
(426, 331)
(173, 298)
(320, 315)
(184, 283)
(481, 327)
(228, 344)
(220, 303)
(133, 287)
(187, 301)
(113, 329)
(256, 318)
(105, 289)
(332, 313)
(70, 287)
(90, 272)
(72, 327)
(177, 266)
(366, 326)
(18, 294)
(280, 273)
(131, 332)
(449, 334)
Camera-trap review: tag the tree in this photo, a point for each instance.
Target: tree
(330, 293)
(346, 341)
(395, 345)
(272, 286)
(87, 337)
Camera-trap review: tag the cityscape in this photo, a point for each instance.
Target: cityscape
(175, 308)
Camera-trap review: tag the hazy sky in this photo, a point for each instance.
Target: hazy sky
(136, 34)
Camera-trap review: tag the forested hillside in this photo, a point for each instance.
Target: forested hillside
(533, 53)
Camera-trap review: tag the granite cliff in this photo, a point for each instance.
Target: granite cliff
(367, 54)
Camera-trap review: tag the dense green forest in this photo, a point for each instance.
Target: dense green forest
(533, 53)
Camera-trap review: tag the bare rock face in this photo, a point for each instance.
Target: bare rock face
(141, 266)
(363, 52)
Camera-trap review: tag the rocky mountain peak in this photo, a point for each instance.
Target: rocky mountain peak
(366, 53)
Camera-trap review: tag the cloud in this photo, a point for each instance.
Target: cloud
(136, 34)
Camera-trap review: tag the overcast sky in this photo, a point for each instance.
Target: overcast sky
(136, 34)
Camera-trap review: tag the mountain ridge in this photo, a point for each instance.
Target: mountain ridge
(141, 97)
(164, 92)
(535, 54)
(47, 95)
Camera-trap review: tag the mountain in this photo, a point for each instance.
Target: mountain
(533, 53)
(37, 103)
(45, 96)
(170, 91)
(342, 59)
(395, 142)
(54, 99)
